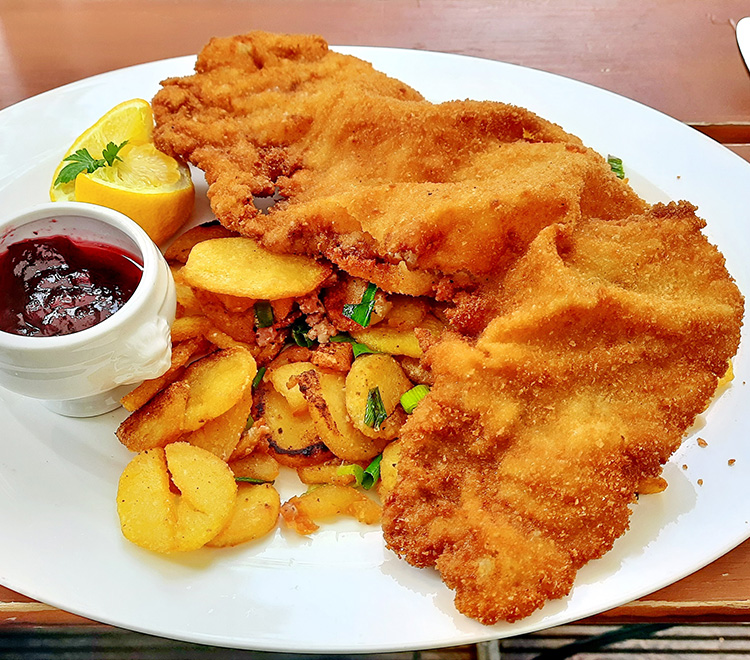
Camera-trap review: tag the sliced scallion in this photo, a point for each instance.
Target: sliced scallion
(616, 164)
(263, 314)
(412, 397)
(375, 413)
(361, 312)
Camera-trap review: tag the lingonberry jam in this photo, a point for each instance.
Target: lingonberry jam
(54, 286)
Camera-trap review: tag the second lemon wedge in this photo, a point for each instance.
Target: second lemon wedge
(153, 189)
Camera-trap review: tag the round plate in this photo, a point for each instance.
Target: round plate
(340, 590)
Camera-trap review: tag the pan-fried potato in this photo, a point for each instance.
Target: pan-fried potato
(158, 422)
(389, 469)
(396, 341)
(325, 473)
(327, 405)
(238, 325)
(383, 372)
(180, 248)
(251, 438)
(280, 376)
(328, 501)
(158, 519)
(216, 383)
(221, 434)
(294, 438)
(406, 312)
(182, 353)
(389, 340)
(255, 514)
(240, 267)
(260, 466)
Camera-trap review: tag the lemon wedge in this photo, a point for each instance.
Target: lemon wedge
(153, 189)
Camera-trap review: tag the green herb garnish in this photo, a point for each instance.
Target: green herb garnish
(357, 347)
(263, 314)
(252, 480)
(366, 478)
(412, 397)
(361, 312)
(375, 413)
(259, 377)
(299, 333)
(616, 164)
(82, 161)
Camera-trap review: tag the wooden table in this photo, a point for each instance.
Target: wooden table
(678, 56)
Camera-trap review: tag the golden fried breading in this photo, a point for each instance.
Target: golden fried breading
(520, 465)
(420, 198)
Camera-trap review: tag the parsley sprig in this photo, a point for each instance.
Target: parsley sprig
(82, 161)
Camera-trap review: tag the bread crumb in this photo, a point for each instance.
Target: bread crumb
(684, 466)
(731, 461)
(700, 482)
(702, 442)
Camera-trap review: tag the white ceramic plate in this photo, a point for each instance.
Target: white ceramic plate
(341, 590)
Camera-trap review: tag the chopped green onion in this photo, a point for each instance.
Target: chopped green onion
(361, 312)
(359, 349)
(299, 333)
(249, 423)
(263, 314)
(372, 473)
(251, 480)
(412, 397)
(366, 478)
(375, 413)
(616, 164)
(259, 377)
(355, 470)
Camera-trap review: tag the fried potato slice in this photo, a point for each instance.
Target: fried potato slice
(255, 514)
(182, 353)
(221, 435)
(158, 422)
(180, 248)
(328, 501)
(325, 473)
(383, 372)
(389, 469)
(395, 341)
(216, 383)
(326, 400)
(258, 466)
(336, 356)
(294, 438)
(240, 267)
(283, 376)
(155, 517)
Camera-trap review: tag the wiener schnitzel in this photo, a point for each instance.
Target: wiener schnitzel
(419, 198)
(521, 464)
(587, 329)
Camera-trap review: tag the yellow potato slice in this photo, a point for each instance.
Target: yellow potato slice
(255, 514)
(327, 405)
(217, 382)
(259, 465)
(279, 377)
(328, 501)
(158, 422)
(240, 267)
(294, 438)
(383, 372)
(389, 469)
(389, 340)
(155, 517)
(221, 435)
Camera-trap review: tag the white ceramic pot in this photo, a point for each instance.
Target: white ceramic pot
(87, 372)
